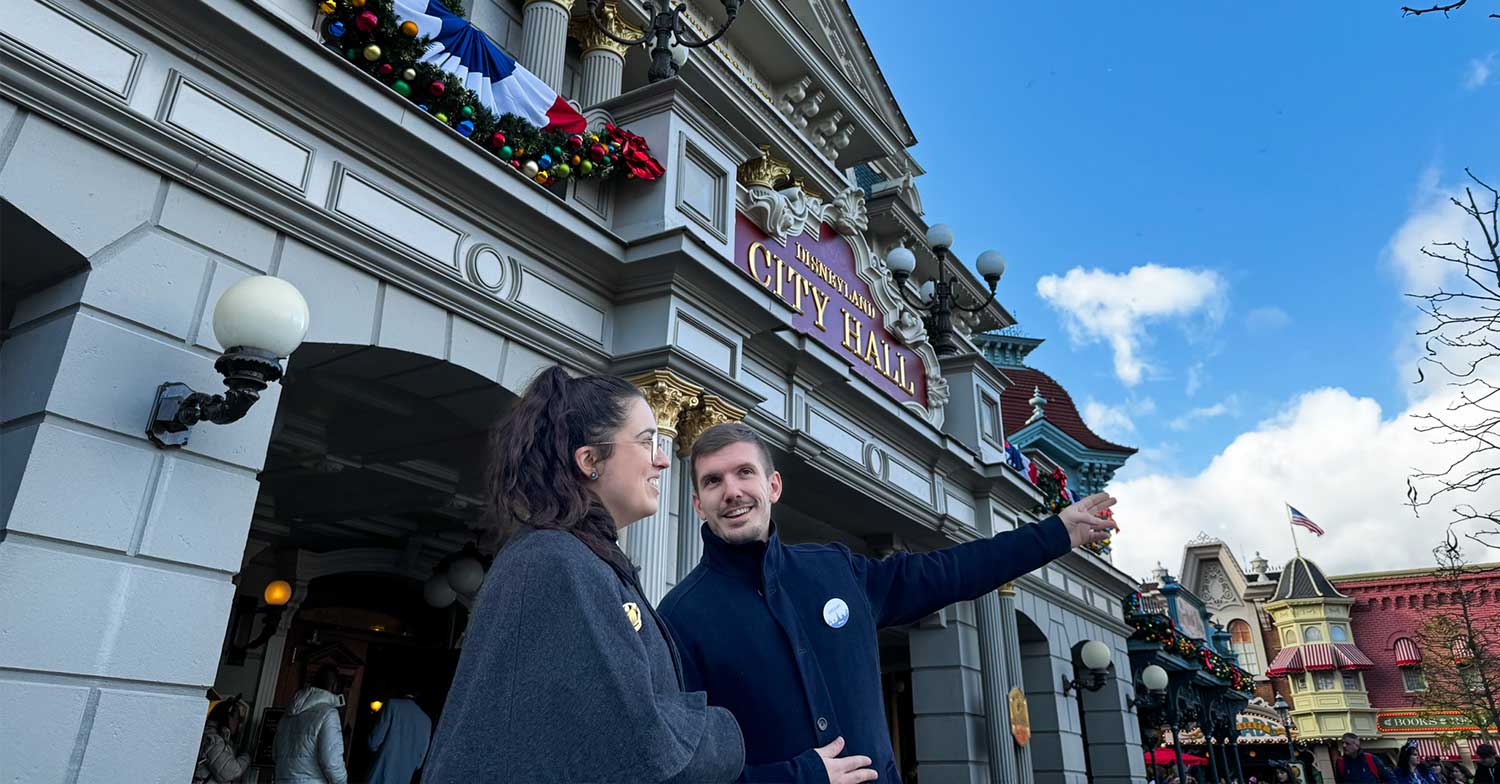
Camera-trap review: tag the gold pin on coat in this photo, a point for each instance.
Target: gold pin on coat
(634, 614)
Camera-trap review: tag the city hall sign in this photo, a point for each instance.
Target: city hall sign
(812, 256)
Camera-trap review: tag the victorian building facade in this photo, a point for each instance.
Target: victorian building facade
(153, 154)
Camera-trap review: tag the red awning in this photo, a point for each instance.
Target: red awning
(1350, 657)
(1407, 653)
(1431, 747)
(1289, 660)
(1319, 656)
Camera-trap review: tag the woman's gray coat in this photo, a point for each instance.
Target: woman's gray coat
(568, 675)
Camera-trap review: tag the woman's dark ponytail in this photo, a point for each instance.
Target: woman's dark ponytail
(534, 481)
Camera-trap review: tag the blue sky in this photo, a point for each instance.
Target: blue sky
(1263, 157)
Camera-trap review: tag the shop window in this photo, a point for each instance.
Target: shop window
(1242, 645)
(1411, 678)
(1338, 634)
(1323, 680)
(1312, 634)
(989, 419)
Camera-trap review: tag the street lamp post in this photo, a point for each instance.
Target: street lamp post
(1285, 712)
(940, 302)
(666, 29)
(1174, 720)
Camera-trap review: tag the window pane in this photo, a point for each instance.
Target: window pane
(1337, 634)
(1351, 682)
(1239, 631)
(1412, 679)
(1323, 680)
(1312, 634)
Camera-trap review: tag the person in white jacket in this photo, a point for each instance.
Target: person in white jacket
(309, 747)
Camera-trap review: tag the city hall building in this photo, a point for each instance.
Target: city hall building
(720, 238)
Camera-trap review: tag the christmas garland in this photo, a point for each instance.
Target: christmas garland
(1057, 498)
(1158, 628)
(368, 34)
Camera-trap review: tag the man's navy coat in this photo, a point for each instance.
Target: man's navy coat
(758, 628)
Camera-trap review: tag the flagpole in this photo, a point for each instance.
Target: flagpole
(1293, 528)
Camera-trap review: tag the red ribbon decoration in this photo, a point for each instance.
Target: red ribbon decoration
(634, 153)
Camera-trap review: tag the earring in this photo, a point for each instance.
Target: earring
(593, 474)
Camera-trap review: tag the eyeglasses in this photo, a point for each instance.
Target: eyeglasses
(656, 443)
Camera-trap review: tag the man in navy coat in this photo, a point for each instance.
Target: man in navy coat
(784, 636)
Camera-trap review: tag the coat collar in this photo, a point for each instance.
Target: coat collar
(754, 562)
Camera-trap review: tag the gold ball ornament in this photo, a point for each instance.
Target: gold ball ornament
(409, 74)
(372, 53)
(442, 118)
(328, 6)
(409, 29)
(542, 178)
(357, 3)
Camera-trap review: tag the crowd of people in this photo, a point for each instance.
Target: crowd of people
(1353, 765)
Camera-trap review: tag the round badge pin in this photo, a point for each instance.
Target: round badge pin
(836, 613)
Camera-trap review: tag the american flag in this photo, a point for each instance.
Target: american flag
(1301, 519)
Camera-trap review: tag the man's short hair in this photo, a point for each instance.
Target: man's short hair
(725, 435)
(1484, 751)
(1351, 736)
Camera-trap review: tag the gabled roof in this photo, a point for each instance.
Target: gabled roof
(1059, 410)
(1302, 579)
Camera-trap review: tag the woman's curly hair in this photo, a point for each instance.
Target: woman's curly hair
(534, 481)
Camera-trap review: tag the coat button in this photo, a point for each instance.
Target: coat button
(822, 724)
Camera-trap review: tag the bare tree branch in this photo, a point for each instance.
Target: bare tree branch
(1454, 6)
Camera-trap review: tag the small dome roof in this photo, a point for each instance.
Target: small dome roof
(1302, 579)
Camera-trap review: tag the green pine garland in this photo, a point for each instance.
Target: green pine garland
(1055, 502)
(511, 138)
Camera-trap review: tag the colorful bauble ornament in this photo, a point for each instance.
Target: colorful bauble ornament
(336, 30)
(409, 74)
(402, 88)
(515, 163)
(593, 138)
(442, 118)
(557, 152)
(466, 127)
(357, 3)
(585, 168)
(409, 29)
(575, 160)
(422, 106)
(563, 170)
(506, 152)
(372, 53)
(328, 7)
(545, 161)
(497, 140)
(366, 21)
(597, 152)
(575, 142)
(436, 88)
(352, 54)
(530, 168)
(385, 69)
(467, 111)
(543, 178)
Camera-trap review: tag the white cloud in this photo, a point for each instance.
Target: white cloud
(1334, 456)
(1104, 307)
(1226, 407)
(1116, 423)
(1194, 379)
(1267, 318)
(1480, 70)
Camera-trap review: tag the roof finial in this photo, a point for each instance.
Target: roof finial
(1036, 401)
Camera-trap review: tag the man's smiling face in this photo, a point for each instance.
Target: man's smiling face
(733, 493)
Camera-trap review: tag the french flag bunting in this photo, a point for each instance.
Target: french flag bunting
(503, 86)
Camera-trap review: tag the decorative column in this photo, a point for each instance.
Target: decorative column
(994, 675)
(544, 39)
(1006, 597)
(652, 543)
(603, 57)
(711, 410)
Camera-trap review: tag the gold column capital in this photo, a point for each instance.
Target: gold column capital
(1008, 590)
(668, 395)
(712, 410)
(590, 37)
(566, 4)
(767, 171)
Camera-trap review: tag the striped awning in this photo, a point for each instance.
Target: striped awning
(1319, 656)
(1407, 653)
(1431, 747)
(1288, 660)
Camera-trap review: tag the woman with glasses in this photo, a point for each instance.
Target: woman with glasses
(567, 673)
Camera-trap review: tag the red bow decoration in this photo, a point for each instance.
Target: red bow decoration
(634, 153)
(1062, 480)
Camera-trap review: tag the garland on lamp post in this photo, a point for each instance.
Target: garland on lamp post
(368, 34)
(1158, 628)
